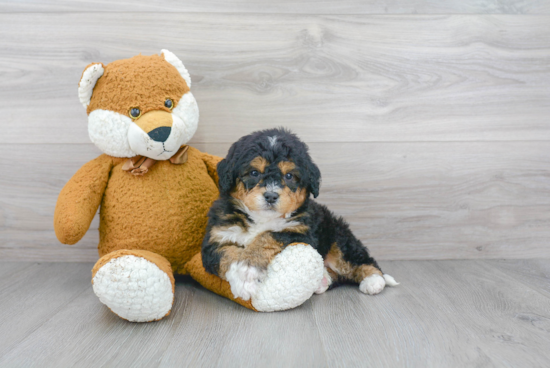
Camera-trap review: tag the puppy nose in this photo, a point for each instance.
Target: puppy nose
(160, 134)
(271, 197)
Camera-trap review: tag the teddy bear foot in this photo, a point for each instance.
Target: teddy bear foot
(136, 285)
(291, 279)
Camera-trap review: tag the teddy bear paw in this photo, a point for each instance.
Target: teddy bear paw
(134, 288)
(292, 278)
(244, 279)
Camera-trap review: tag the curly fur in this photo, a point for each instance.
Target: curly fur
(265, 184)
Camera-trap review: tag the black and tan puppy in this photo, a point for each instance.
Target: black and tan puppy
(265, 183)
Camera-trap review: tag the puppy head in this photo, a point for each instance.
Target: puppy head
(269, 170)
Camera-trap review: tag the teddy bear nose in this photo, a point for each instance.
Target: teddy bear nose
(160, 134)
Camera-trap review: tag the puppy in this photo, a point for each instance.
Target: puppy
(265, 184)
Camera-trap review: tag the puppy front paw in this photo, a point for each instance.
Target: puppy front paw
(244, 279)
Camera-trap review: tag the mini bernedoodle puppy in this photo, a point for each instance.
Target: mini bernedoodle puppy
(265, 183)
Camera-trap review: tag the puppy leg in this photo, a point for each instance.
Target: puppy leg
(244, 279)
(358, 267)
(242, 276)
(245, 268)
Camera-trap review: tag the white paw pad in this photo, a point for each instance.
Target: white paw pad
(134, 288)
(325, 282)
(372, 284)
(244, 280)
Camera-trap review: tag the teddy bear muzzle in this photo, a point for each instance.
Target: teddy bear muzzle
(156, 134)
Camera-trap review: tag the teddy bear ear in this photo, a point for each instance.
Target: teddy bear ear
(173, 59)
(87, 82)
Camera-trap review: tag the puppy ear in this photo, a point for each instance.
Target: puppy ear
(87, 82)
(225, 178)
(314, 179)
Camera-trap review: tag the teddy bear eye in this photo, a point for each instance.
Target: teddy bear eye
(168, 103)
(135, 112)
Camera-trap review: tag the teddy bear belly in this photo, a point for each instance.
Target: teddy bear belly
(164, 211)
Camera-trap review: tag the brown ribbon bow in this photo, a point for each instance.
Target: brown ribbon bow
(140, 165)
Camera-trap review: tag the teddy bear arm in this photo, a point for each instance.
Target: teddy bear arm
(211, 163)
(79, 200)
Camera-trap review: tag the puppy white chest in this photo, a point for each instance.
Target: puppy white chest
(262, 223)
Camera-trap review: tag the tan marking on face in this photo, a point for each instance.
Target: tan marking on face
(259, 163)
(153, 120)
(142, 81)
(290, 201)
(335, 261)
(286, 166)
(252, 198)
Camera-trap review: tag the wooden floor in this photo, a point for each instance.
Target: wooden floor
(444, 314)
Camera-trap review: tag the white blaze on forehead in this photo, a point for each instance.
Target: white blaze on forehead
(272, 140)
(273, 187)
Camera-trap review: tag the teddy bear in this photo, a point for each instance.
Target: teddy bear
(154, 191)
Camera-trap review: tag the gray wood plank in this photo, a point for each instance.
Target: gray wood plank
(9, 268)
(534, 273)
(286, 6)
(200, 323)
(404, 200)
(330, 78)
(92, 336)
(33, 295)
(220, 333)
(444, 314)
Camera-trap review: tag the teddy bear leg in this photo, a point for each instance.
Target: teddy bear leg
(292, 278)
(212, 282)
(137, 285)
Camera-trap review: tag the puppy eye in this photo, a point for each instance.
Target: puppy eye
(289, 176)
(254, 173)
(168, 103)
(135, 113)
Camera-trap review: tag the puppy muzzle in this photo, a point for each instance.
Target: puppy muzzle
(271, 197)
